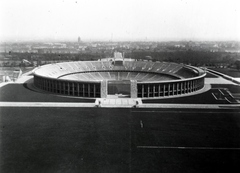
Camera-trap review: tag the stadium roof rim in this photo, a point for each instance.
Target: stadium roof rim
(58, 70)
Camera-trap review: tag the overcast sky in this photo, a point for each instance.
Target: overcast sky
(145, 20)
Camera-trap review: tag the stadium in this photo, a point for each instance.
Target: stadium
(120, 77)
(120, 115)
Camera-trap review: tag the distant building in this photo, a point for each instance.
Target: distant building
(79, 40)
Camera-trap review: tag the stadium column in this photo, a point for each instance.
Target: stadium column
(191, 86)
(83, 90)
(78, 89)
(37, 82)
(41, 83)
(199, 84)
(48, 85)
(94, 90)
(174, 88)
(154, 90)
(185, 87)
(56, 86)
(195, 85)
(177, 88)
(134, 90)
(159, 90)
(60, 88)
(202, 82)
(164, 89)
(148, 90)
(169, 89)
(73, 91)
(44, 84)
(142, 90)
(64, 91)
(88, 90)
(180, 88)
(104, 89)
(68, 88)
(53, 86)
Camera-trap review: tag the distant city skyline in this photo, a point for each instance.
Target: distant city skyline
(119, 20)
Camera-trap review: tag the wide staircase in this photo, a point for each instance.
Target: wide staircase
(118, 102)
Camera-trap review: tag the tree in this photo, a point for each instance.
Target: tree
(237, 63)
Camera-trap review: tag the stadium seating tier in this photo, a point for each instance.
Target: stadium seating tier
(131, 70)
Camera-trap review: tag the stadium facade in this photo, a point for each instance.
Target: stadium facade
(119, 77)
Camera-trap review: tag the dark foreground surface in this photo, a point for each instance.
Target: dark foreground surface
(23, 93)
(119, 140)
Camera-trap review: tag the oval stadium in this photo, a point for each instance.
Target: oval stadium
(119, 78)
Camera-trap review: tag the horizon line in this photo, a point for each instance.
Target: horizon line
(119, 40)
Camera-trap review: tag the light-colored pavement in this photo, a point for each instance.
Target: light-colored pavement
(4, 83)
(191, 106)
(112, 104)
(224, 76)
(218, 80)
(23, 79)
(237, 79)
(45, 104)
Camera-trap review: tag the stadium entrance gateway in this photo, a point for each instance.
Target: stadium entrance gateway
(119, 88)
(124, 88)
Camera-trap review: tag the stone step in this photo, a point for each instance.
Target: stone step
(118, 102)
